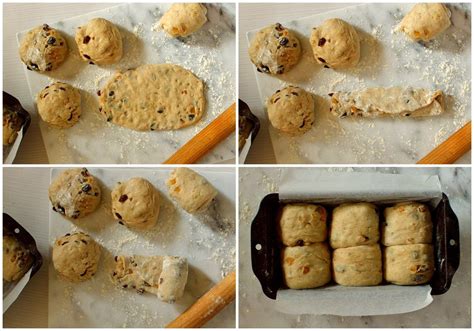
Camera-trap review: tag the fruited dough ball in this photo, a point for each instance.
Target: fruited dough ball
(335, 44)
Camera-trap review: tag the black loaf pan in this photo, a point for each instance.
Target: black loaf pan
(246, 115)
(13, 228)
(265, 246)
(14, 105)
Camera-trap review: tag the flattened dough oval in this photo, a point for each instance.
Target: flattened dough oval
(153, 97)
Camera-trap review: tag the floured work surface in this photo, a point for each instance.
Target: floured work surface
(208, 246)
(388, 59)
(209, 53)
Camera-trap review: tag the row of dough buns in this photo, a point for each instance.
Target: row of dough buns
(357, 259)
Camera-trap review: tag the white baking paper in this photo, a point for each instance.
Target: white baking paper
(10, 294)
(304, 185)
(209, 246)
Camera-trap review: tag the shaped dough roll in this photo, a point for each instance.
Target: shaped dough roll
(302, 224)
(407, 223)
(394, 101)
(165, 276)
(354, 224)
(425, 21)
(306, 266)
(358, 266)
(408, 264)
(190, 190)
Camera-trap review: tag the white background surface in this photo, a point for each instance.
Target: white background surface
(254, 16)
(25, 198)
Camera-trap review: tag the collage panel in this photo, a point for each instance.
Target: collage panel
(354, 247)
(119, 247)
(372, 83)
(129, 83)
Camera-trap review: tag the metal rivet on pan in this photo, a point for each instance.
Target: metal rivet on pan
(452, 242)
(258, 247)
(17, 230)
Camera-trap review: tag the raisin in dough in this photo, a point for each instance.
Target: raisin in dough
(392, 101)
(183, 19)
(275, 50)
(358, 266)
(291, 110)
(306, 266)
(136, 203)
(354, 224)
(407, 223)
(99, 42)
(59, 105)
(153, 97)
(16, 259)
(408, 264)
(43, 49)
(335, 44)
(75, 193)
(302, 224)
(76, 257)
(165, 276)
(190, 190)
(425, 21)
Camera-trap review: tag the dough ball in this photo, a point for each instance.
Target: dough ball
(182, 19)
(99, 42)
(358, 266)
(407, 223)
(335, 44)
(275, 50)
(306, 266)
(43, 49)
(136, 203)
(75, 193)
(302, 224)
(408, 264)
(291, 110)
(190, 190)
(16, 259)
(425, 21)
(354, 224)
(59, 105)
(76, 256)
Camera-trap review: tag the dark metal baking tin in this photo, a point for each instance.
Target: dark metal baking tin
(265, 246)
(12, 103)
(13, 228)
(244, 110)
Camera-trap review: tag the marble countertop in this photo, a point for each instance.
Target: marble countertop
(452, 309)
(321, 145)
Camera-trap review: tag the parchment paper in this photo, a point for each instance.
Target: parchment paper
(209, 246)
(302, 184)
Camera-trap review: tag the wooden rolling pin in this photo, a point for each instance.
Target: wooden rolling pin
(207, 306)
(204, 141)
(452, 149)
